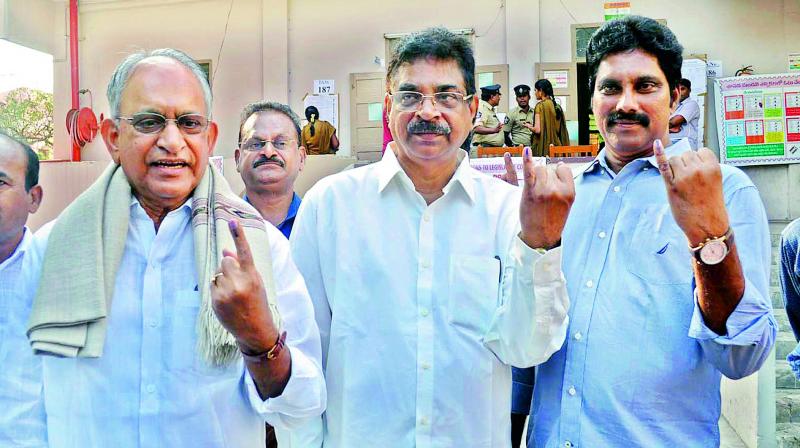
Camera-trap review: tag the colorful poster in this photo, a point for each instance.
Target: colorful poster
(758, 119)
(794, 61)
(558, 78)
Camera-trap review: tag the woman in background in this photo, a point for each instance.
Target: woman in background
(549, 124)
(318, 136)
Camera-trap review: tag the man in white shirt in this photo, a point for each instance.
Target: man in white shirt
(684, 121)
(425, 286)
(149, 385)
(22, 420)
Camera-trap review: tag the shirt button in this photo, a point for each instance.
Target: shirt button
(423, 421)
(425, 366)
(152, 323)
(425, 264)
(589, 283)
(424, 312)
(151, 389)
(645, 168)
(571, 391)
(426, 217)
(616, 189)
(578, 336)
(568, 444)
(601, 235)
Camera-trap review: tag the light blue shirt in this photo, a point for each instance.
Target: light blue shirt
(639, 366)
(151, 388)
(422, 308)
(690, 111)
(22, 421)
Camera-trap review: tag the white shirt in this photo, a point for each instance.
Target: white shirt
(22, 422)
(151, 388)
(690, 111)
(418, 332)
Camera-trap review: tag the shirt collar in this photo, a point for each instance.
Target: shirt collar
(389, 168)
(675, 149)
(20, 249)
(138, 211)
(293, 207)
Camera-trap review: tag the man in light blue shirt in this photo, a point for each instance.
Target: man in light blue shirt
(685, 120)
(653, 324)
(22, 422)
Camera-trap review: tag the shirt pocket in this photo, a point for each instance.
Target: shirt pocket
(474, 284)
(182, 343)
(657, 250)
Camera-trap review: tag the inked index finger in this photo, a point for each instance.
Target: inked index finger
(240, 241)
(661, 160)
(529, 178)
(511, 172)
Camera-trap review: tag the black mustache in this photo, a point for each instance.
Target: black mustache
(263, 160)
(428, 127)
(614, 117)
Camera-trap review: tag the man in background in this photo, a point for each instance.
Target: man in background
(684, 121)
(269, 159)
(518, 128)
(487, 127)
(22, 421)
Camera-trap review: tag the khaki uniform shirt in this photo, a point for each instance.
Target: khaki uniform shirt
(520, 135)
(487, 117)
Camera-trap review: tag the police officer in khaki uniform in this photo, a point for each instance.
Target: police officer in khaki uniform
(487, 127)
(518, 128)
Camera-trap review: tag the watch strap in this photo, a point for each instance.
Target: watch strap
(272, 353)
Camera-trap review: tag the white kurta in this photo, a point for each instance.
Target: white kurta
(423, 308)
(151, 388)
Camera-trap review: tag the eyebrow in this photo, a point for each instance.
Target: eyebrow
(409, 87)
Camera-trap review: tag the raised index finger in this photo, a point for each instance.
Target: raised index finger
(511, 172)
(240, 241)
(661, 160)
(529, 178)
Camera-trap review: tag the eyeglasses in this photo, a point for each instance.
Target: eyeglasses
(255, 144)
(443, 101)
(153, 123)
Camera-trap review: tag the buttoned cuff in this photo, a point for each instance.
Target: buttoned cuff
(544, 267)
(303, 397)
(745, 326)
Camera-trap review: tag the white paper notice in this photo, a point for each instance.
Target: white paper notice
(558, 78)
(695, 71)
(714, 69)
(496, 166)
(323, 86)
(328, 106)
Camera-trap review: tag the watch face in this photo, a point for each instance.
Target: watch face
(713, 252)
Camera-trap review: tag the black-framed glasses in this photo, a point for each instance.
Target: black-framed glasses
(257, 144)
(153, 123)
(407, 101)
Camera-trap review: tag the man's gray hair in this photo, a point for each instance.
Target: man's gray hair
(269, 106)
(125, 68)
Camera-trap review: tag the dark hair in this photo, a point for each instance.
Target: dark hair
(685, 83)
(437, 43)
(312, 110)
(544, 86)
(32, 168)
(486, 95)
(268, 106)
(636, 33)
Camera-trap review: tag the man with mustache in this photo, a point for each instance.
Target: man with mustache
(269, 158)
(668, 267)
(430, 279)
(168, 328)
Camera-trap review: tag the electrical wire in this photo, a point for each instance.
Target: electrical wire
(574, 20)
(222, 44)
(497, 16)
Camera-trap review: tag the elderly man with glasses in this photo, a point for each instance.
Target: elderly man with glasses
(428, 278)
(167, 329)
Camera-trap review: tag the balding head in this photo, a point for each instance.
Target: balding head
(24, 151)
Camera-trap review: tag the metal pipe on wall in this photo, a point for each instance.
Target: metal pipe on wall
(74, 67)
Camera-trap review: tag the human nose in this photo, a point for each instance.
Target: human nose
(171, 138)
(427, 109)
(627, 100)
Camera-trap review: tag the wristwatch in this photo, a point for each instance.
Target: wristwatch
(713, 250)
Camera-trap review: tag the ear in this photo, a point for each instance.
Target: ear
(303, 154)
(211, 136)
(110, 132)
(387, 105)
(34, 198)
(237, 154)
(675, 96)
